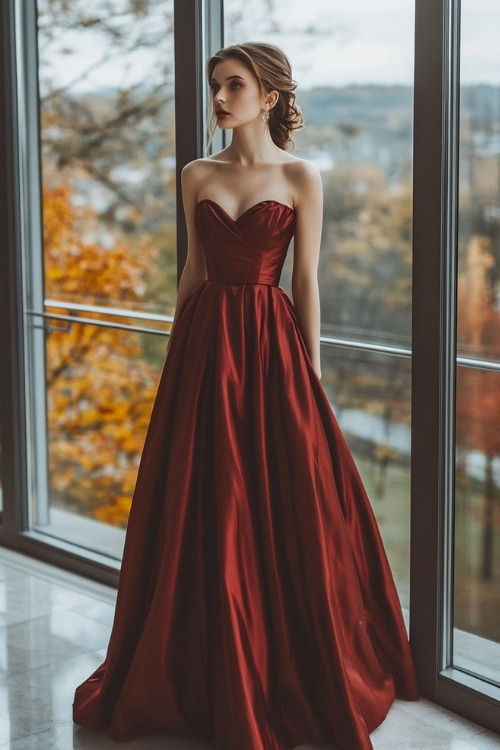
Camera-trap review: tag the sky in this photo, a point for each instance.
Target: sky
(360, 41)
(330, 42)
(371, 41)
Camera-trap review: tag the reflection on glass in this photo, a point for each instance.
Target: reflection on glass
(354, 66)
(477, 498)
(370, 396)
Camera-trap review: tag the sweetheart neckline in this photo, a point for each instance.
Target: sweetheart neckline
(247, 210)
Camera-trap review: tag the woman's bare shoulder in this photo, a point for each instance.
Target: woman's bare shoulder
(304, 179)
(205, 163)
(197, 168)
(196, 174)
(301, 169)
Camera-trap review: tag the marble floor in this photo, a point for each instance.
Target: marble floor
(54, 627)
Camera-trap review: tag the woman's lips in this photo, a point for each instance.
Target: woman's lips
(221, 113)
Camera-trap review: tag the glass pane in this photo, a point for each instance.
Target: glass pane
(101, 384)
(107, 137)
(477, 518)
(354, 66)
(477, 499)
(370, 395)
(353, 63)
(109, 245)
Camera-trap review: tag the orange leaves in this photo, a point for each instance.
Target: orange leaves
(116, 515)
(478, 391)
(100, 385)
(58, 221)
(88, 266)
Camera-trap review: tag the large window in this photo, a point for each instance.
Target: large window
(106, 88)
(92, 240)
(357, 106)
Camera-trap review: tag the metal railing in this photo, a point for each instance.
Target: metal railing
(119, 312)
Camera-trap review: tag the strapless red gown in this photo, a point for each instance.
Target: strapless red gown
(256, 608)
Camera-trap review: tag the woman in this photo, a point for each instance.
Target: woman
(256, 608)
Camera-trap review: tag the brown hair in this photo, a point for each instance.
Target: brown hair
(271, 67)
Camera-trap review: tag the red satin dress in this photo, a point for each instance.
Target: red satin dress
(256, 608)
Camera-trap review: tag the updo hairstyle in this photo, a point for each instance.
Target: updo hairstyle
(273, 71)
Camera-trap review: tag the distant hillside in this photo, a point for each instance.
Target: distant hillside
(379, 105)
(374, 124)
(366, 105)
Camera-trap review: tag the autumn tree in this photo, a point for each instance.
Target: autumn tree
(478, 324)
(100, 389)
(367, 229)
(107, 140)
(107, 123)
(109, 119)
(478, 390)
(365, 277)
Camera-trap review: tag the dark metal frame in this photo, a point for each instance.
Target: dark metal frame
(12, 403)
(188, 123)
(198, 28)
(435, 215)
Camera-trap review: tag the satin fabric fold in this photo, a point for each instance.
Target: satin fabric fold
(256, 607)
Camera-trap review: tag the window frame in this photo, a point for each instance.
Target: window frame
(12, 411)
(435, 222)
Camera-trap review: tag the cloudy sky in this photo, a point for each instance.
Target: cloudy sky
(348, 42)
(368, 41)
(330, 42)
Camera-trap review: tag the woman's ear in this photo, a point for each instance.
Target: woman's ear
(272, 98)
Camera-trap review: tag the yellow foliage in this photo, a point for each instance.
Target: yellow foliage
(100, 390)
(116, 515)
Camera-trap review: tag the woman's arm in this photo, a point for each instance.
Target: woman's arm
(195, 269)
(309, 217)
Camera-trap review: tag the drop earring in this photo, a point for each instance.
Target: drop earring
(265, 116)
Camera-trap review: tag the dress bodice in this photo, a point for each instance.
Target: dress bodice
(250, 249)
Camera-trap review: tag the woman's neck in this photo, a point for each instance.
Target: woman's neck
(252, 146)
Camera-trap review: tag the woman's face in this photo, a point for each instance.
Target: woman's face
(237, 96)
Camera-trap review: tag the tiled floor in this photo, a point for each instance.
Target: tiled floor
(54, 628)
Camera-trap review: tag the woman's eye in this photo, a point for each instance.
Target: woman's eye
(235, 85)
